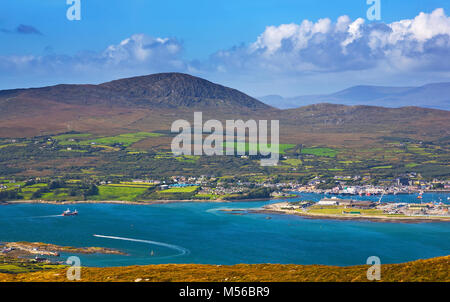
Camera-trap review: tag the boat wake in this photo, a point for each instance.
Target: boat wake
(182, 251)
(215, 211)
(32, 217)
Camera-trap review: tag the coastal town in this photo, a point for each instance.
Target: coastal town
(252, 186)
(341, 185)
(340, 198)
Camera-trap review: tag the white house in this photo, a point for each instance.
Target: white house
(328, 202)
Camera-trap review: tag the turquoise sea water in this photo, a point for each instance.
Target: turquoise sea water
(201, 233)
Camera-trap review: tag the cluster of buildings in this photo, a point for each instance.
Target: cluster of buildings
(415, 209)
(219, 190)
(201, 180)
(350, 206)
(347, 203)
(407, 209)
(402, 185)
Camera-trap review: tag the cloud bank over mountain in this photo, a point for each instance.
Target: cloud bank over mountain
(138, 53)
(142, 49)
(309, 52)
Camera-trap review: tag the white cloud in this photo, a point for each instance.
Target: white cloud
(354, 32)
(138, 54)
(325, 46)
(423, 27)
(272, 38)
(140, 48)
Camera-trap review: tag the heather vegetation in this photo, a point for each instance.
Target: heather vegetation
(429, 270)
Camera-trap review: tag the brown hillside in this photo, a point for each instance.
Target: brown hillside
(153, 102)
(338, 124)
(163, 90)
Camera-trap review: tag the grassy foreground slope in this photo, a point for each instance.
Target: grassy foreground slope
(434, 269)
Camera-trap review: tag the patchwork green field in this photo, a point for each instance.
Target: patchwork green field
(126, 139)
(187, 158)
(64, 139)
(326, 152)
(132, 184)
(382, 167)
(122, 139)
(125, 193)
(10, 265)
(339, 210)
(188, 189)
(119, 158)
(260, 147)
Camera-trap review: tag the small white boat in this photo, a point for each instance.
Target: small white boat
(69, 213)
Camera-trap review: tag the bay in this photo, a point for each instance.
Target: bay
(202, 233)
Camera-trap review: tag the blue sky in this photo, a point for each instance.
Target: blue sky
(224, 41)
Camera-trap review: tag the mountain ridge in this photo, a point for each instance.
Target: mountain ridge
(433, 95)
(162, 90)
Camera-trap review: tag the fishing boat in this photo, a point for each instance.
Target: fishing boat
(69, 213)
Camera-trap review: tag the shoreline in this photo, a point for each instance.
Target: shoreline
(152, 202)
(50, 249)
(146, 202)
(264, 210)
(372, 194)
(373, 218)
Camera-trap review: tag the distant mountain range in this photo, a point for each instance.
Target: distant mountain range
(429, 96)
